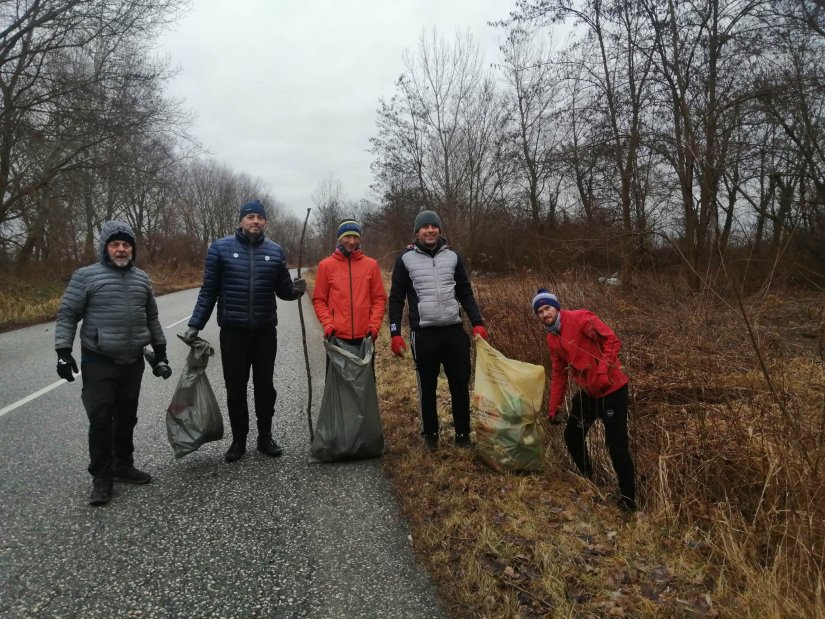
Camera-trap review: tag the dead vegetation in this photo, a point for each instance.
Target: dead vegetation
(727, 435)
(33, 296)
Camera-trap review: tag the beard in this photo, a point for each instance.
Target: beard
(121, 263)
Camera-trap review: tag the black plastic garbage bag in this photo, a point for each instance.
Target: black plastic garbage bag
(349, 425)
(194, 416)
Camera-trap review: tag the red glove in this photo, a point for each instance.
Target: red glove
(372, 334)
(398, 345)
(481, 332)
(328, 332)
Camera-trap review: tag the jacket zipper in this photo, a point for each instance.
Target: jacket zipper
(131, 329)
(351, 299)
(438, 285)
(251, 289)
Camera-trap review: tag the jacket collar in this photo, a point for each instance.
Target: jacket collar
(245, 239)
(340, 255)
(438, 247)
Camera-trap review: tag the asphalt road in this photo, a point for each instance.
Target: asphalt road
(262, 537)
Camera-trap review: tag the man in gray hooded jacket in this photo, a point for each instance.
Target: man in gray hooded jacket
(114, 300)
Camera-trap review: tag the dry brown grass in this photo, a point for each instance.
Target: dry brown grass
(31, 298)
(728, 460)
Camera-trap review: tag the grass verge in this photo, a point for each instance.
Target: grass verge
(28, 300)
(732, 520)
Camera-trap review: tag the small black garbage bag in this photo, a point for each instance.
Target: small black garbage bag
(349, 425)
(194, 416)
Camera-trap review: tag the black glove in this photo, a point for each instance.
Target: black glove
(190, 334)
(66, 365)
(161, 366)
(162, 369)
(299, 285)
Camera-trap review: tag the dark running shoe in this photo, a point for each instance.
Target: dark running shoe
(236, 450)
(463, 441)
(431, 441)
(266, 445)
(131, 475)
(101, 492)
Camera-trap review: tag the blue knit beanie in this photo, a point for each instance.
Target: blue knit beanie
(252, 207)
(426, 218)
(545, 298)
(348, 226)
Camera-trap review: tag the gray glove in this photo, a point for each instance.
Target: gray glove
(299, 285)
(190, 334)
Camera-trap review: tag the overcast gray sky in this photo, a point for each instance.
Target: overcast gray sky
(287, 90)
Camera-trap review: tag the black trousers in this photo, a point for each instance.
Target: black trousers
(433, 347)
(242, 349)
(612, 410)
(110, 396)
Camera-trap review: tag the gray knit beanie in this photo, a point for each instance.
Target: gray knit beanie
(426, 218)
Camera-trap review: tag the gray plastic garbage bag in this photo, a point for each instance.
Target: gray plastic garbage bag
(194, 416)
(349, 425)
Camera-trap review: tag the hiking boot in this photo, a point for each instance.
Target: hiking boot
(131, 475)
(266, 445)
(101, 492)
(235, 451)
(431, 441)
(463, 441)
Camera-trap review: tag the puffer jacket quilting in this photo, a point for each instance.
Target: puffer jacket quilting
(117, 307)
(243, 277)
(433, 278)
(436, 287)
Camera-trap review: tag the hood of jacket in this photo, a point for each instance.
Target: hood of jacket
(107, 230)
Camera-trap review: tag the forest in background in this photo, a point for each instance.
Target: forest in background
(618, 136)
(679, 145)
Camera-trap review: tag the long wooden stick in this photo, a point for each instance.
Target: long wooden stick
(304, 333)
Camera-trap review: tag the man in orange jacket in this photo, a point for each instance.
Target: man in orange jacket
(349, 296)
(582, 346)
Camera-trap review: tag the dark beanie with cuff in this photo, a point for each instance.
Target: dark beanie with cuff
(122, 236)
(425, 218)
(252, 207)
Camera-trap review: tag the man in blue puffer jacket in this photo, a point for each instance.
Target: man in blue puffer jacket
(243, 274)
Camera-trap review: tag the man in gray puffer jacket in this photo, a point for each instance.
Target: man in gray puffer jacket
(114, 300)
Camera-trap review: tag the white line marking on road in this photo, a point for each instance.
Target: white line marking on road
(178, 322)
(44, 390)
(31, 397)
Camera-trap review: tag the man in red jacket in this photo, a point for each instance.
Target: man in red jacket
(349, 296)
(583, 347)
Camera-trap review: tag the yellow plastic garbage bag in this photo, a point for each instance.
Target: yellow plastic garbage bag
(507, 396)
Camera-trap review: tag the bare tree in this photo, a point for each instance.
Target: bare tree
(534, 89)
(71, 78)
(330, 207)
